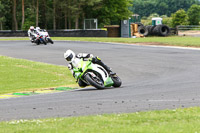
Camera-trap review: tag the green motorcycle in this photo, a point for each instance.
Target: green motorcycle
(95, 75)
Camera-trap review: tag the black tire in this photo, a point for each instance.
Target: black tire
(165, 30)
(94, 83)
(149, 28)
(142, 30)
(117, 81)
(44, 41)
(161, 30)
(37, 42)
(49, 40)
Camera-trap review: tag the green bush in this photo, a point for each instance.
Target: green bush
(194, 15)
(179, 18)
(148, 20)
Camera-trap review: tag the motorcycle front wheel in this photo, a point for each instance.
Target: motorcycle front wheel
(49, 40)
(95, 81)
(41, 39)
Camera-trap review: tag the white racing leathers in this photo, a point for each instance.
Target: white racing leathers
(31, 34)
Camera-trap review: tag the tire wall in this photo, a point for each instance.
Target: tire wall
(158, 30)
(161, 30)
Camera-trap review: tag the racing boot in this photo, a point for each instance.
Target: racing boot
(110, 72)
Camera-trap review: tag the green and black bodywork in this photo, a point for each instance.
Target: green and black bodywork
(95, 75)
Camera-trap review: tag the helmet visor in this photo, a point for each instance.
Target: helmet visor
(69, 58)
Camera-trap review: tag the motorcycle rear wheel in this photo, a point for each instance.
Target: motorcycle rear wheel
(37, 42)
(97, 83)
(117, 81)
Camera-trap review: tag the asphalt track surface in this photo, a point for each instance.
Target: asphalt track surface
(154, 78)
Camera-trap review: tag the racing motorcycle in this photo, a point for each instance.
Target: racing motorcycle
(45, 36)
(39, 39)
(95, 75)
(42, 37)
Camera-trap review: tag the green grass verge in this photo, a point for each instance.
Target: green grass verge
(167, 121)
(23, 75)
(13, 38)
(172, 40)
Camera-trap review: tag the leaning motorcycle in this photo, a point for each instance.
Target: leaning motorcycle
(48, 39)
(39, 40)
(46, 36)
(95, 75)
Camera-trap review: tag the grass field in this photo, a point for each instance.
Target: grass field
(171, 40)
(22, 75)
(167, 121)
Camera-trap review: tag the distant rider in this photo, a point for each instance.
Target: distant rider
(74, 60)
(37, 29)
(31, 33)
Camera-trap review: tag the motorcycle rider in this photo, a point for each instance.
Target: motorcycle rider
(31, 33)
(37, 29)
(74, 60)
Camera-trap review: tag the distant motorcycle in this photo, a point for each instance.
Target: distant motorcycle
(45, 36)
(39, 39)
(42, 37)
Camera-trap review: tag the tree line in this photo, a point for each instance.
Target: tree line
(60, 14)
(189, 17)
(180, 17)
(173, 12)
(161, 7)
(70, 14)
